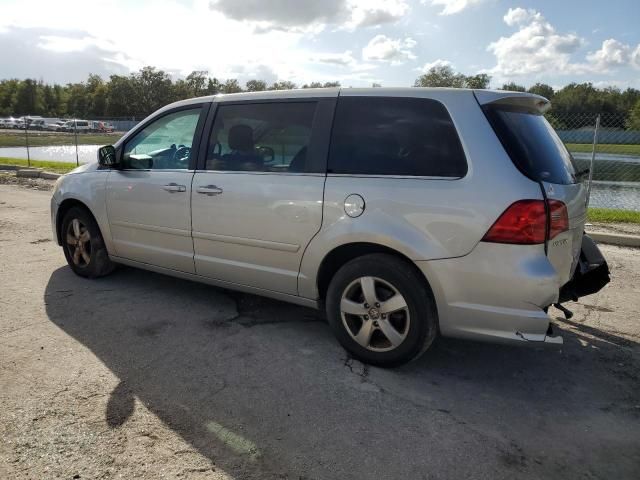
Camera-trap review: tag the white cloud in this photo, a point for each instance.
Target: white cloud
(635, 57)
(519, 15)
(343, 59)
(611, 55)
(450, 7)
(283, 14)
(435, 64)
(368, 13)
(383, 48)
(535, 48)
(311, 15)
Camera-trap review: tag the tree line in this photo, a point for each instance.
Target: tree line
(141, 93)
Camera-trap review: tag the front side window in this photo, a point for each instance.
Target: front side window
(262, 137)
(395, 136)
(164, 144)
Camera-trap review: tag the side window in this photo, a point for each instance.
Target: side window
(262, 137)
(395, 136)
(164, 144)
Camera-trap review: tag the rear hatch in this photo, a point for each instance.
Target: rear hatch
(537, 151)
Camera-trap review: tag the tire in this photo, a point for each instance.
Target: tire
(83, 244)
(392, 335)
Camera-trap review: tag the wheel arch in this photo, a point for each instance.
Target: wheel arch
(63, 208)
(344, 253)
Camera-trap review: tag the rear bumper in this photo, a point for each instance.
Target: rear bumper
(591, 273)
(496, 293)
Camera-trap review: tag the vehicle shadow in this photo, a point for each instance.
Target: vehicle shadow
(262, 389)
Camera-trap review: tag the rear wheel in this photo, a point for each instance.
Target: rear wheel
(83, 244)
(381, 311)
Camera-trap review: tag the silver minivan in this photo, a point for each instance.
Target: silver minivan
(405, 213)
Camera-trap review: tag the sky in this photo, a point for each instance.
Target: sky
(356, 42)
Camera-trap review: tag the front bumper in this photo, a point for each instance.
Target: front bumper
(54, 217)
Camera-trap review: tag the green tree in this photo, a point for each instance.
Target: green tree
(543, 90)
(196, 82)
(121, 96)
(634, 117)
(256, 85)
(513, 87)
(97, 92)
(213, 86)
(444, 76)
(231, 86)
(8, 91)
(440, 76)
(283, 85)
(481, 80)
(29, 99)
(153, 90)
(77, 100)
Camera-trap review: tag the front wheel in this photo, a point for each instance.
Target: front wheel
(381, 310)
(83, 244)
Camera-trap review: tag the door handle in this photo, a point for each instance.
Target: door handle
(174, 187)
(209, 190)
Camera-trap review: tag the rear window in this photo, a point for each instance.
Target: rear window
(395, 136)
(532, 144)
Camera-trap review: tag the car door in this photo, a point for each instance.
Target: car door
(257, 197)
(148, 198)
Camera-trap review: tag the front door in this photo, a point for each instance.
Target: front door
(258, 202)
(148, 200)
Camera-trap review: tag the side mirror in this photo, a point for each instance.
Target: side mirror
(267, 153)
(107, 157)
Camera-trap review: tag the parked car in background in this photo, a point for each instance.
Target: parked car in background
(77, 126)
(37, 124)
(2, 123)
(56, 126)
(405, 213)
(100, 126)
(10, 123)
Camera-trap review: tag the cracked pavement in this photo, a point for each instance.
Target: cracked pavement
(138, 375)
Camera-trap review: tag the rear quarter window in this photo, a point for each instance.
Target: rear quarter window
(532, 143)
(395, 136)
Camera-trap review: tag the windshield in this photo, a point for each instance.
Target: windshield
(532, 144)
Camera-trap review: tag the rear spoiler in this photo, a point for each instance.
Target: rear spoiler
(516, 99)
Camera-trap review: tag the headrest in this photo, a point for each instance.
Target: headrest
(241, 138)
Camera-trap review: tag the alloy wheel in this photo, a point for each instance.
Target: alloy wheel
(375, 314)
(78, 243)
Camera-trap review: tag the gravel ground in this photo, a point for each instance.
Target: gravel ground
(138, 375)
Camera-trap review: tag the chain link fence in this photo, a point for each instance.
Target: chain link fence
(60, 140)
(616, 162)
(615, 175)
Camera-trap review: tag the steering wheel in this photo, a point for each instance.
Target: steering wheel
(181, 155)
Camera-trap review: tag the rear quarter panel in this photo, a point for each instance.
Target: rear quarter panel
(423, 218)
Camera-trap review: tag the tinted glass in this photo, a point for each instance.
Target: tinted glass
(165, 143)
(532, 144)
(267, 137)
(395, 136)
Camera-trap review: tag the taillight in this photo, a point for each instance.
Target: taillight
(525, 223)
(559, 218)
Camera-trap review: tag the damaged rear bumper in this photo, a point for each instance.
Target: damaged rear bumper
(590, 276)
